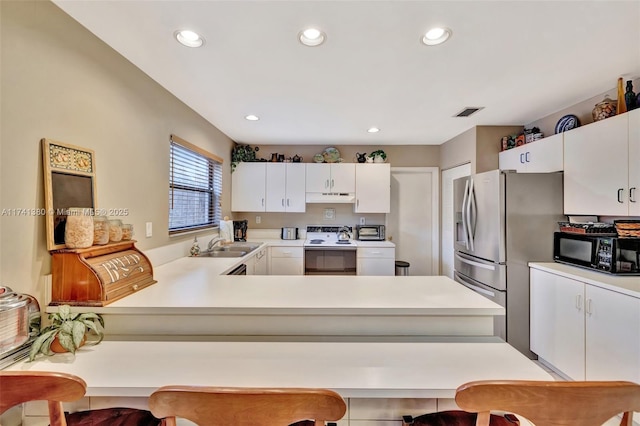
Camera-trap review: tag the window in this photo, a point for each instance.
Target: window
(195, 187)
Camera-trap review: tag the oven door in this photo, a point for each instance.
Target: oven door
(329, 261)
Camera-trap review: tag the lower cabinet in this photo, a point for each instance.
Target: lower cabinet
(376, 261)
(584, 331)
(257, 264)
(286, 260)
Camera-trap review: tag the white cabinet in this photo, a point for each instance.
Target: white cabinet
(585, 331)
(331, 177)
(373, 188)
(286, 260)
(557, 322)
(602, 167)
(285, 187)
(257, 264)
(248, 189)
(376, 261)
(541, 156)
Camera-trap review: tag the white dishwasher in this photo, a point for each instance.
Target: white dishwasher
(376, 261)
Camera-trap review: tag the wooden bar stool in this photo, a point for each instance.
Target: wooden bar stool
(216, 406)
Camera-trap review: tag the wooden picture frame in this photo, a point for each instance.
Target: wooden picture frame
(69, 181)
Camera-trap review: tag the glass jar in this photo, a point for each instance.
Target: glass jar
(115, 230)
(100, 230)
(78, 231)
(127, 232)
(604, 109)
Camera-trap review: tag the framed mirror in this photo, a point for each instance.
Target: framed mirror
(69, 181)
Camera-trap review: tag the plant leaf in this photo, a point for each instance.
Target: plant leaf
(66, 341)
(39, 343)
(96, 328)
(46, 346)
(64, 311)
(90, 316)
(67, 327)
(78, 333)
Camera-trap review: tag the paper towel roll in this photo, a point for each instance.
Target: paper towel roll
(226, 230)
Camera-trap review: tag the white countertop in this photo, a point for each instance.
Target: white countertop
(194, 285)
(383, 370)
(629, 285)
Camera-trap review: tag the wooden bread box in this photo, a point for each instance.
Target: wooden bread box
(98, 275)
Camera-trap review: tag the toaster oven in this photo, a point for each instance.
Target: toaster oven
(370, 232)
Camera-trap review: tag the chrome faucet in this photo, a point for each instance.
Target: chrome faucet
(213, 242)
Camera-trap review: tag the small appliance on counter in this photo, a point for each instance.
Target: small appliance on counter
(370, 232)
(240, 230)
(600, 252)
(289, 233)
(20, 320)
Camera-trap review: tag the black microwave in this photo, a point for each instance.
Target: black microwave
(606, 254)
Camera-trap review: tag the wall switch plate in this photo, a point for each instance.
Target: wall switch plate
(258, 219)
(362, 221)
(149, 229)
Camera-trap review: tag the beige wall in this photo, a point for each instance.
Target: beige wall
(58, 81)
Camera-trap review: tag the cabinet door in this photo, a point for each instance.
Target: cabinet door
(275, 187)
(295, 188)
(513, 159)
(248, 187)
(286, 266)
(260, 266)
(596, 168)
(544, 155)
(613, 335)
(343, 177)
(380, 267)
(634, 162)
(318, 177)
(557, 322)
(373, 188)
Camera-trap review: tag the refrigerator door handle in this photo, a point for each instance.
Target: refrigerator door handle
(464, 217)
(475, 288)
(476, 264)
(470, 207)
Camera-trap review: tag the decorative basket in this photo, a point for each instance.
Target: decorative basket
(628, 228)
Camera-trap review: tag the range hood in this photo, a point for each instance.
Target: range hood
(331, 197)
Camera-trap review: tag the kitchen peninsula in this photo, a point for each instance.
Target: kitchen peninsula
(193, 300)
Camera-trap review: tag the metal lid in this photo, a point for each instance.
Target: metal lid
(11, 300)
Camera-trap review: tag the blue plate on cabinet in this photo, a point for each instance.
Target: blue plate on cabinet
(567, 122)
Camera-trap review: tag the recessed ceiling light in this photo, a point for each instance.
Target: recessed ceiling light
(373, 130)
(436, 36)
(252, 117)
(312, 37)
(189, 38)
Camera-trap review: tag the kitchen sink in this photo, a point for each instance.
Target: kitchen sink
(236, 249)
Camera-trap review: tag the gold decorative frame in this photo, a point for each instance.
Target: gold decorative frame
(69, 181)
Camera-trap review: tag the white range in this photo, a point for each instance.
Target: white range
(329, 250)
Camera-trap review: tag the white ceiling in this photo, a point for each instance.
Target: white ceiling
(520, 60)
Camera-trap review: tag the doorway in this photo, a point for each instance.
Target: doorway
(448, 176)
(413, 222)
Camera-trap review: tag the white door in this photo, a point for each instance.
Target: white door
(275, 184)
(413, 221)
(343, 177)
(448, 223)
(248, 187)
(373, 188)
(634, 162)
(295, 184)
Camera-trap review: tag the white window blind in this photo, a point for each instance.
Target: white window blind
(195, 187)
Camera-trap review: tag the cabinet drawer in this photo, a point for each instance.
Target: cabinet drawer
(389, 408)
(387, 252)
(286, 252)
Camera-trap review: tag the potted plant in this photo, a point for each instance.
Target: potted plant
(67, 332)
(378, 156)
(242, 153)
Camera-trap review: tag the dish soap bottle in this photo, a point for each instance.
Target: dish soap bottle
(195, 247)
(630, 97)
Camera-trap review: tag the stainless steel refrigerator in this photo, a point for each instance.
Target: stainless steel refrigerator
(503, 220)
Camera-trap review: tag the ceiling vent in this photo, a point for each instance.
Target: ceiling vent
(468, 111)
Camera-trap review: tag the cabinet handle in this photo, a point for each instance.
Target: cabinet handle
(620, 190)
(632, 191)
(283, 202)
(135, 287)
(588, 308)
(358, 202)
(578, 302)
(263, 202)
(332, 183)
(287, 202)
(521, 158)
(326, 183)
(526, 157)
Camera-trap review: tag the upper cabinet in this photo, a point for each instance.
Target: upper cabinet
(373, 188)
(602, 167)
(248, 187)
(542, 156)
(331, 177)
(285, 187)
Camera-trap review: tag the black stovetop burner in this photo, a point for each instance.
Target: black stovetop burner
(316, 241)
(343, 242)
